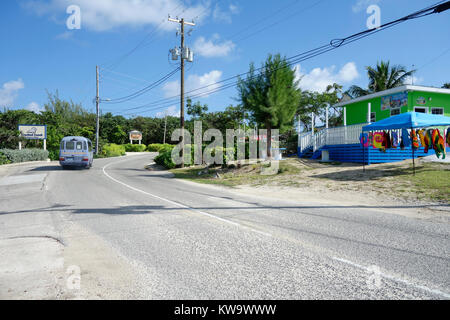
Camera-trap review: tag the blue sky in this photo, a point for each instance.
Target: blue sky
(40, 53)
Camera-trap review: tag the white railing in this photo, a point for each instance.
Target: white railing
(305, 140)
(339, 135)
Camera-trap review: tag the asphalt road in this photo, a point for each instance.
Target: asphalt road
(189, 241)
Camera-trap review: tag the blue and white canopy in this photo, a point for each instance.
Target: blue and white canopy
(409, 120)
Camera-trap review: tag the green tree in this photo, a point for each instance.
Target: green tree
(271, 95)
(382, 77)
(446, 85)
(196, 110)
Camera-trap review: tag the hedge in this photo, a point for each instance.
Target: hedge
(135, 147)
(113, 150)
(158, 147)
(165, 156)
(15, 155)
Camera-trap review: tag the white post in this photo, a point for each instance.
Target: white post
(45, 144)
(369, 111)
(345, 116)
(345, 125)
(139, 141)
(20, 145)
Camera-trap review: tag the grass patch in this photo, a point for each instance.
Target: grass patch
(245, 174)
(432, 181)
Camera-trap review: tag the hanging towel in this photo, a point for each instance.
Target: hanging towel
(364, 140)
(448, 136)
(394, 139)
(421, 137)
(405, 138)
(378, 140)
(414, 139)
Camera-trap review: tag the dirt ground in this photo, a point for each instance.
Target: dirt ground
(381, 186)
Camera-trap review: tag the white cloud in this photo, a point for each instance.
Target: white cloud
(194, 81)
(34, 106)
(9, 90)
(318, 79)
(213, 48)
(221, 15)
(101, 15)
(171, 111)
(361, 5)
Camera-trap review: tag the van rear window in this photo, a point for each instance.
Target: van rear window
(79, 145)
(70, 145)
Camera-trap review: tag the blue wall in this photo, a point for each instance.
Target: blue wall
(354, 153)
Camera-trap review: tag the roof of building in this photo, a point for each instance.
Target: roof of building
(394, 90)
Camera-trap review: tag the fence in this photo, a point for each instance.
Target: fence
(331, 136)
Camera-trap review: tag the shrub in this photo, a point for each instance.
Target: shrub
(135, 147)
(15, 155)
(158, 147)
(3, 159)
(113, 150)
(165, 159)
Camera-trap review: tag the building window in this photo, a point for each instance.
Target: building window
(439, 111)
(395, 111)
(373, 117)
(421, 109)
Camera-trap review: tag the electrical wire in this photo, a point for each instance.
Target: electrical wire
(334, 44)
(143, 90)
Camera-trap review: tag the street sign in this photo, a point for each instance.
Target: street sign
(33, 131)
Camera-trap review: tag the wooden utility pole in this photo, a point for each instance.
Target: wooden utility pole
(182, 58)
(97, 101)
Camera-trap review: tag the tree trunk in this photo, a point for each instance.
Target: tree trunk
(269, 140)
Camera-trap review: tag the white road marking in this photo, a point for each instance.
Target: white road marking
(184, 206)
(396, 279)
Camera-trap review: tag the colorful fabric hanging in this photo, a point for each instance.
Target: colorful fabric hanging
(387, 138)
(448, 136)
(405, 138)
(421, 135)
(427, 140)
(438, 143)
(370, 138)
(364, 140)
(414, 139)
(378, 140)
(394, 139)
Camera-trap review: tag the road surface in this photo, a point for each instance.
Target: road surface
(135, 233)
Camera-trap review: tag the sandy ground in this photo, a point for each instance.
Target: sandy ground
(348, 185)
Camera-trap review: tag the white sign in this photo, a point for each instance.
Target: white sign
(135, 135)
(32, 131)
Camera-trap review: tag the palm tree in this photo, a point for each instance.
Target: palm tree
(446, 85)
(381, 78)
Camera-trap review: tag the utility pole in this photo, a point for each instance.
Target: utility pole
(97, 101)
(185, 54)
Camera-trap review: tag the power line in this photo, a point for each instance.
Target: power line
(281, 20)
(332, 45)
(143, 90)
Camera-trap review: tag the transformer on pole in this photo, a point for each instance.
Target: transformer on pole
(185, 54)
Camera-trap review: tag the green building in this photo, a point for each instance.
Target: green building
(381, 105)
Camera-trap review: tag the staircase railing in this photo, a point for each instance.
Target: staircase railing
(339, 135)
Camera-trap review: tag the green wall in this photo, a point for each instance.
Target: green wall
(357, 112)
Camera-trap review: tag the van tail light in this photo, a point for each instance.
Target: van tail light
(61, 159)
(85, 159)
